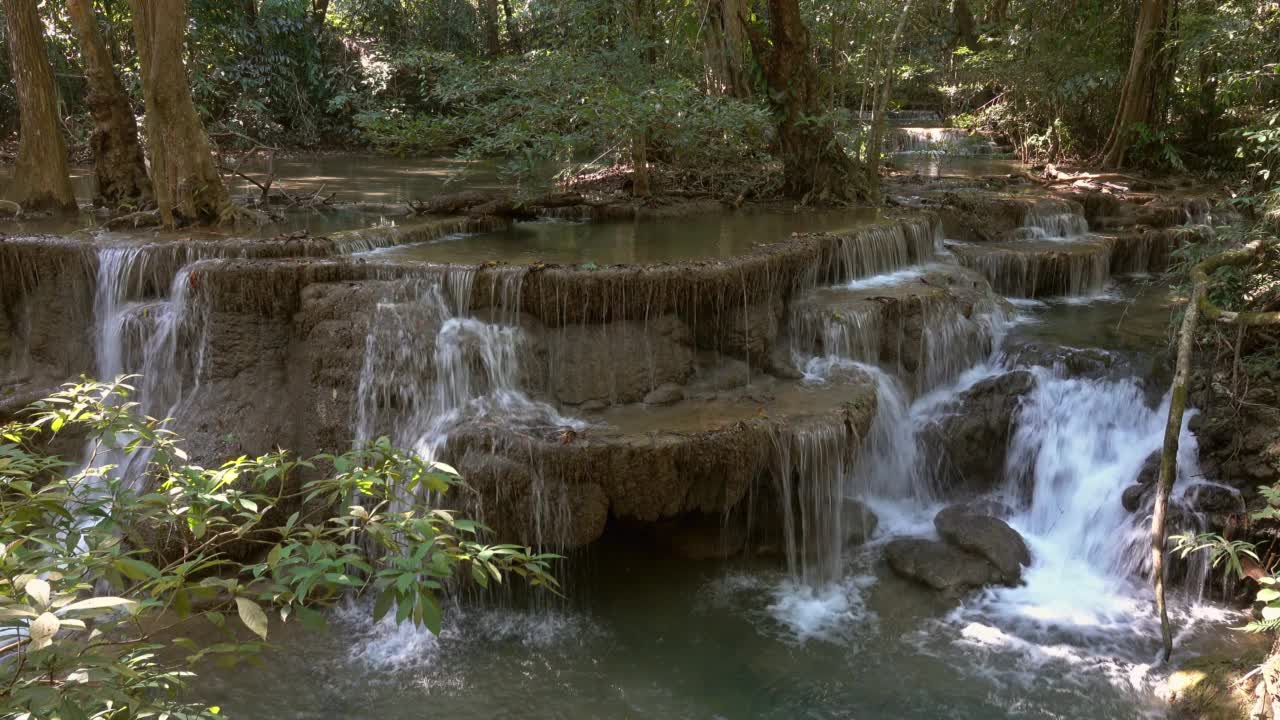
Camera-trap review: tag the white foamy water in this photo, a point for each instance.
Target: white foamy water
(1085, 605)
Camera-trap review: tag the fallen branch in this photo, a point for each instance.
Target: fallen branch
(1198, 305)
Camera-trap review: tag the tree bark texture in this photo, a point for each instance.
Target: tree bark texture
(118, 162)
(40, 179)
(1139, 95)
(875, 138)
(489, 19)
(814, 164)
(187, 185)
(513, 32)
(724, 46)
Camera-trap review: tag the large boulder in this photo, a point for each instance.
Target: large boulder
(939, 565)
(985, 536)
(973, 433)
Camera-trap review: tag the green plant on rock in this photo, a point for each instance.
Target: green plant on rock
(1230, 553)
(103, 576)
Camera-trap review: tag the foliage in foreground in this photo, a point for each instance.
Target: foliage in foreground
(102, 577)
(1230, 555)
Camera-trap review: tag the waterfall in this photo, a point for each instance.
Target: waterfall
(429, 366)
(1077, 444)
(811, 465)
(159, 339)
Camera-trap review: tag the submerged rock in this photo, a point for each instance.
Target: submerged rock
(939, 565)
(857, 522)
(664, 394)
(1134, 497)
(1089, 363)
(987, 536)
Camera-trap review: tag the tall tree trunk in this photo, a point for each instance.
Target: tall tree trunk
(489, 18)
(319, 11)
(966, 25)
(187, 184)
(814, 164)
(117, 155)
(40, 179)
(1207, 123)
(513, 33)
(723, 46)
(1139, 96)
(642, 24)
(995, 12)
(875, 138)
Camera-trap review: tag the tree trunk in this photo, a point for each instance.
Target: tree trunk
(643, 25)
(1169, 460)
(875, 138)
(1207, 124)
(966, 25)
(725, 40)
(40, 179)
(188, 187)
(814, 164)
(319, 11)
(489, 18)
(117, 155)
(995, 12)
(1199, 305)
(513, 33)
(1139, 95)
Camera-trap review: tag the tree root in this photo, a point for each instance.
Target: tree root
(236, 215)
(134, 220)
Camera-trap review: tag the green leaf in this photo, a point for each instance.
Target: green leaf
(1267, 595)
(136, 569)
(432, 616)
(384, 602)
(252, 616)
(98, 603)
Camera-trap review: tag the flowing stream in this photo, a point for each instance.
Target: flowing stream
(822, 629)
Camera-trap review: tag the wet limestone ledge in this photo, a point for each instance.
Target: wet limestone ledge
(638, 465)
(49, 282)
(1043, 268)
(287, 341)
(293, 380)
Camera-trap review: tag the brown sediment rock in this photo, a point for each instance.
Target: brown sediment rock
(972, 434)
(618, 362)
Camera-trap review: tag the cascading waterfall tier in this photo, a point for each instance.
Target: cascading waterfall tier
(925, 325)
(952, 141)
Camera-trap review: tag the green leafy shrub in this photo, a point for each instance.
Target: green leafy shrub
(102, 577)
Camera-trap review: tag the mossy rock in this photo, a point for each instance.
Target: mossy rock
(1208, 688)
